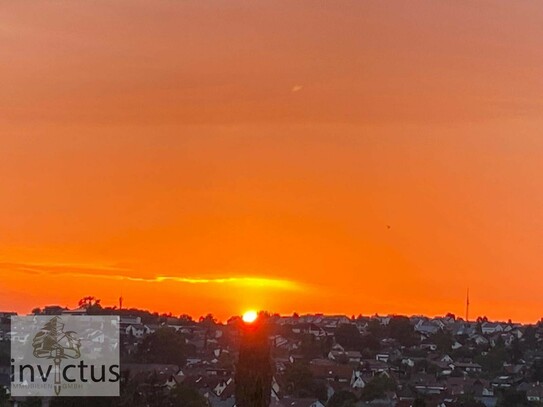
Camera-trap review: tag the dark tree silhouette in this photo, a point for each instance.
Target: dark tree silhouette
(88, 301)
(377, 387)
(299, 380)
(4, 397)
(419, 402)
(512, 398)
(348, 336)
(184, 396)
(342, 398)
(254, 369)
(400, 328)
(163, 346)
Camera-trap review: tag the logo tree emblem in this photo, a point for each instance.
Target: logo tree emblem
(52, 342)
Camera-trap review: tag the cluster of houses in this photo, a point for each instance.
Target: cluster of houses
(425, 370)
(478, 362)
(447, 362)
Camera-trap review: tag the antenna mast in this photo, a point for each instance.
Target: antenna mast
(467, 306)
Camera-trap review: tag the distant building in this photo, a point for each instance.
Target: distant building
(53, 310)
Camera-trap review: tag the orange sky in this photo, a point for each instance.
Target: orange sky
(223, 155)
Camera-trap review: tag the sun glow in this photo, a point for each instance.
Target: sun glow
(250, 317)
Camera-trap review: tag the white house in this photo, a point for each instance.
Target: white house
(356, 381)
(491, 328)
(136, 330)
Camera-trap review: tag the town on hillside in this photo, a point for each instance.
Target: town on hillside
(317, 360)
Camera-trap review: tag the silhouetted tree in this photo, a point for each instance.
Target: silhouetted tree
(369, 342)
(348, 336)
(4, 397)
(376, 329)
(299, 380)
(186, 319)
(492, 362)
(512, 398)
(254, 369)
(184, 396)
(529, 338)
(536, 371)
(312, 348)
(342, 398)
(164, 345)
(5, 353)
(376, 388)
(88, 301)
(443, 340)
(208, 321)
(419, 402)
(400, 328)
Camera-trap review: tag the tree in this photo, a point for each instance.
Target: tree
(164, 345)
(299, 380)
(512, 398)
(348, 336)
(88, 301)
(342, 398)
(185, 319)
(254, 370)
(185, 396)
(419, 402)
(208, 321)
(536, 371)
(370, 341)
(400, 328)
(91, 304)
(515, 351)
(529, 338)
(443, 340)
(321, 392)
(377, 387)
(312, 348)
(492, 362)
(376, 329)
(468, 400)
(4, 397)
(5, 353)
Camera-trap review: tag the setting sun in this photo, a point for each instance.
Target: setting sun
(250, 317)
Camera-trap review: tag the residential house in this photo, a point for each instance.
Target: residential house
(489, 328)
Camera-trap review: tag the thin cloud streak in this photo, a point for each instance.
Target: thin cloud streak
(98, 271)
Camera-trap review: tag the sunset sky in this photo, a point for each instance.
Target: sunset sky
(312, 156)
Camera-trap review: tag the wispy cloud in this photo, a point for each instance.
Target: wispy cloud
(61, 267)
(263, 282)
(120, 274)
